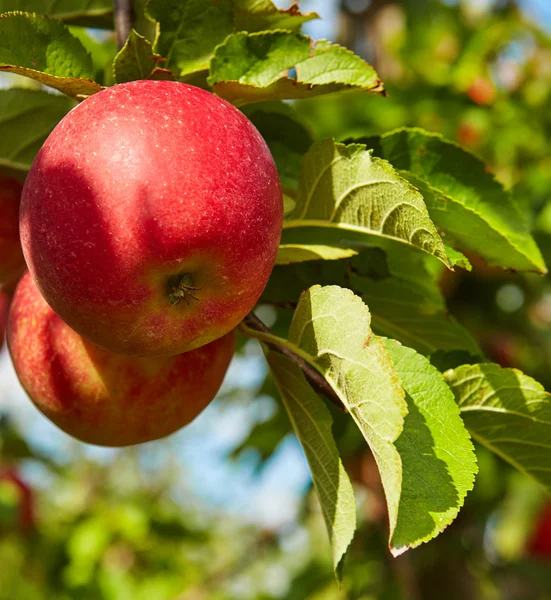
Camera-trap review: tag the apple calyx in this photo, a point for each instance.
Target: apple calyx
(180, 287)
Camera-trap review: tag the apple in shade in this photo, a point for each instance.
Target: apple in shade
(151, 217)
(104, 398)
(12, 263)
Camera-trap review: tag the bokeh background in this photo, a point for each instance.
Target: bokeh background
(224, 509)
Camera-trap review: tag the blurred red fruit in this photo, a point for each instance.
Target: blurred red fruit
(482, 91)
(539, 544)
(468, 135)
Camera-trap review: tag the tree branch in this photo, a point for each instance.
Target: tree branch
(123, 20)
(314, 378)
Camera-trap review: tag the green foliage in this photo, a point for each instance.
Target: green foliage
(28, 117)
(136, 60)
(404, 299)
(44, 50)
(463, 198)
(86, 13)
(331, 326)
(255, 67)
(438, 460)
(403, 408)
(189, 30)
(312, 424)
(344, 190)
(286, 136)
(509, 413)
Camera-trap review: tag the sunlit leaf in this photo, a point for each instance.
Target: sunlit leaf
(348, 199)
(331, 326)
(44, 50)
(255, 67)
(312, 423)
(464, 200)
(438, 459)
(136, 60)
(508, 412)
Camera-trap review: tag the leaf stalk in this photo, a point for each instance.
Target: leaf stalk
(253, 327)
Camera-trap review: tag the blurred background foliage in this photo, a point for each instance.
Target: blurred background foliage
(224, 510)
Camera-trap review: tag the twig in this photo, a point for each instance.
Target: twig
(123, 20)
(314, 378)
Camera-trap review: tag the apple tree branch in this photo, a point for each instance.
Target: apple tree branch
(314, 378)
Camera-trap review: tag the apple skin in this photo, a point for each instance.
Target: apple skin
(142, 184)
(12, 263)
(104, 398)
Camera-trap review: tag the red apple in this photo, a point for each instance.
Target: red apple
(151, 218)
(4, 306)
(104, 398)
(12, 263)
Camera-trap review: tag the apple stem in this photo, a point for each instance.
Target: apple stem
(180, 287)
(314, 377)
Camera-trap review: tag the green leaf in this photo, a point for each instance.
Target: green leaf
(44, 50)
(331, 329)
(403, 297)
(102, 50)
(463, 198)
(136, 60)
(348, 199)
(509, 413)
(85, 13)
(286, 135)
(190, 30)
(296, 253)
(312, 423)
(259, 15)
(255, 67)
(438, 459)
(457, 259)
(26, 119)
(444, 360)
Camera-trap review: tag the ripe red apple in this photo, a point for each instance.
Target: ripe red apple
(104, 398)
(12, 263)
(151, 218)
(4, 307)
